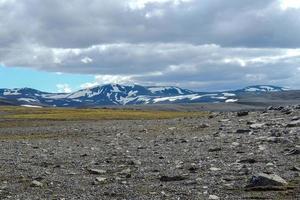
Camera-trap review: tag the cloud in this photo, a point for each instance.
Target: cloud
(63, 88)
(107, 79)
(211, 44)
(189, 65)
(78, 24)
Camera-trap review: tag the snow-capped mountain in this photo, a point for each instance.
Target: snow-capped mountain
(263, 88)
(115, 94)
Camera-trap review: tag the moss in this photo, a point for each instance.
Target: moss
(63, 114)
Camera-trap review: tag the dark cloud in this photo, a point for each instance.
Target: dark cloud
(208, 43)
(81, 23)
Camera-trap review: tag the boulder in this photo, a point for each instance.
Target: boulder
(264, 181)
(295, 123)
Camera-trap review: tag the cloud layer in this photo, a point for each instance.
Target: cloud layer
(207, 44)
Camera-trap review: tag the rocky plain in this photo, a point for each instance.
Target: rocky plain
(220, 155)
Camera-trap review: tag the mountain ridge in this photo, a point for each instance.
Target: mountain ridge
(116, 94)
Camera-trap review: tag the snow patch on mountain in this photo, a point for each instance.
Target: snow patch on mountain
(27, 99)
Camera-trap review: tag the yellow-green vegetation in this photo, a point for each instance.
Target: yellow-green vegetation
(21, 137)
(23, 113)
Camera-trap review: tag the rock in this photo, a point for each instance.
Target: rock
(215, 169)
(242, 113)
(193, 168)
(36, 183)
(203, 126)
(293, 124)
(172, 178)
(213, 197)
(135, 162)
(126, 171)
(100, 180)
(225, 120)
(235, 144)
(296, 169)
(257, 126)
(296, 118)
(244, 170)
(293, 152)
(97, 171)
(270, 108)
(248, 160)
(287, 111)
(240, 131)
(266, 182)
(276, 133)
(270, 164)
(172, 128)
(214, 149)
(276, 139)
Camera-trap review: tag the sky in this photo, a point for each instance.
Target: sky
(203, 45)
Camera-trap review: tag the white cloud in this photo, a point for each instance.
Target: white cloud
(141, 4)
(286, 4)
(86, 60)
(63, 88)
(107, 79)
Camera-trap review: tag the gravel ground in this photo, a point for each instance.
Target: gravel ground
(212, 157)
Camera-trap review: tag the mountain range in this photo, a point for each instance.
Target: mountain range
(115, 94)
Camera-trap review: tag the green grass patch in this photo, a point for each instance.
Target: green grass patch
(90, 114)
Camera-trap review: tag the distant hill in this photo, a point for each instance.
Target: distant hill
(115, 94)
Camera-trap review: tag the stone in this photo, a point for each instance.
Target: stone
(248, 160)
(266, 182)
(203, 126)
(97, 171)
(293, 152)
(172, 178)
(240, 131)
(215, 169)
(100, 180)
(242, 113)
(257, 126)
(296, 169)
(214, 149)
(296, 118)
(213, 197)
(293, 124)
(36, 183)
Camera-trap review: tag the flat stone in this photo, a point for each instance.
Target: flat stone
(293, 124)
(243, 131)
(100, 180)
(248, 160)
(96, 171)
(172, 178)
(213, 197)
(36, 183)
(266, 182)
(215, 169)
(293, 152)
(257, 126)
(214, 149)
